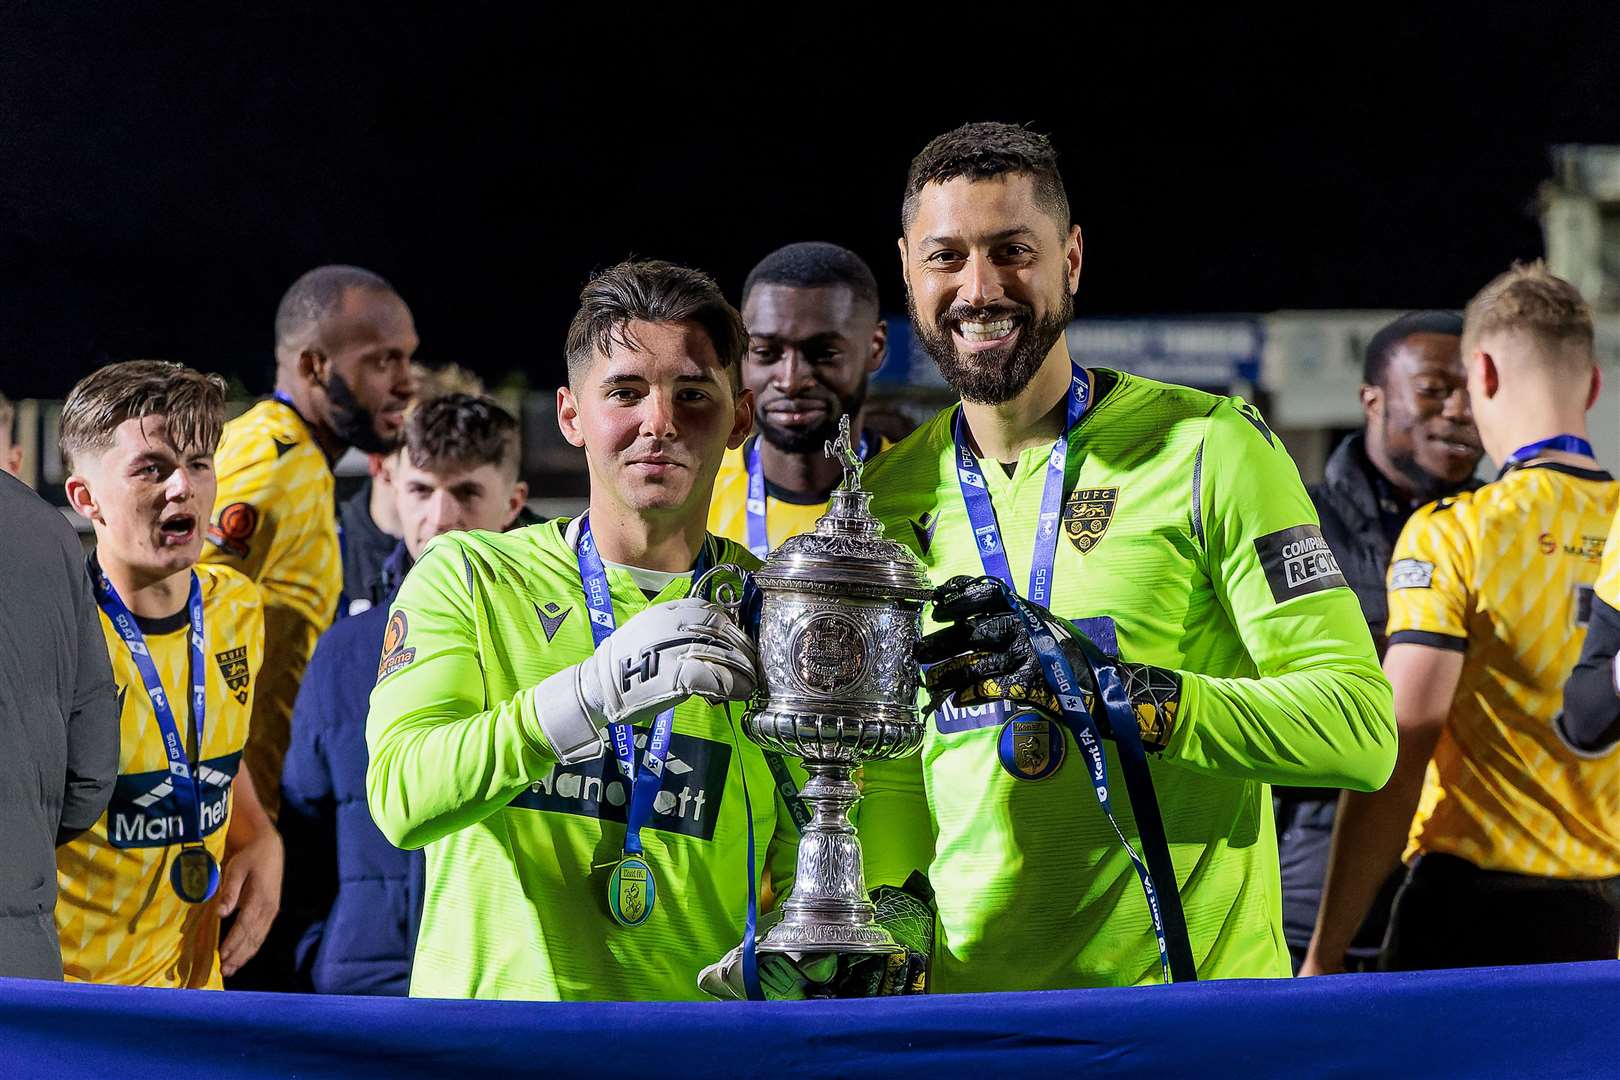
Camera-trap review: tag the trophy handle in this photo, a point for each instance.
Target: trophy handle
(723, 585)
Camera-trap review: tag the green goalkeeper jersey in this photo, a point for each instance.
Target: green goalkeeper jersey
(1187, 542)
(519, 847)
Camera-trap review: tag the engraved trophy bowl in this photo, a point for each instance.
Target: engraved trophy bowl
(841, 609)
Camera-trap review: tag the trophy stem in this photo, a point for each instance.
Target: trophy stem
(827, 909)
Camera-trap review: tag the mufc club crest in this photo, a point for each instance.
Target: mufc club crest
(233, 665)
(1087, 515)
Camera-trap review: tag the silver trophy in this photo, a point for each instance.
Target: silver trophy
(842, 608)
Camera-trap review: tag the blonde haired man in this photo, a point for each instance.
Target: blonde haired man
(1512, 834)
(184, 841)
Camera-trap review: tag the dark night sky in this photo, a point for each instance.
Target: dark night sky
(166, 170)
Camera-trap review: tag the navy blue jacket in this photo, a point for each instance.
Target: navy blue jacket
(354, 900)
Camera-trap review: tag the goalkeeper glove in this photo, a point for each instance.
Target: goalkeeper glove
(984, 653)
(907, 913)
(654, 661)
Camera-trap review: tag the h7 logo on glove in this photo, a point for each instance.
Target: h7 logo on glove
(632, 671)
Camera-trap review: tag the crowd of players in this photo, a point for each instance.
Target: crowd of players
(424, 742)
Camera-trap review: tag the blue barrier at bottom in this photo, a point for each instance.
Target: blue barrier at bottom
(1556, 1021)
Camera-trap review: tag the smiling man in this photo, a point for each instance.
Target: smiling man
(141, 894)
(1419, 444)
(1510, 829)
(1162, 529)
(814, 340)
(344, 342)
(548, 714)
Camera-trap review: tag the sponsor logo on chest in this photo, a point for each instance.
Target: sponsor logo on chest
(145, 812)
(689, 796)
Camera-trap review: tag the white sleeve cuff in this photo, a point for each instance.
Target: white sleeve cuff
(564, 723)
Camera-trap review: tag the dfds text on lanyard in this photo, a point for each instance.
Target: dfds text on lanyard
(1021, 728)
(195, 873)
(632, 890)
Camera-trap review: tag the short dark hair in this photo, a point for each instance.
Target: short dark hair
(191, 403)
(461, 431)
(1375, 361)
(317, 294)
(814, 265)
(657, 292)
(983, 152)
(8, 420)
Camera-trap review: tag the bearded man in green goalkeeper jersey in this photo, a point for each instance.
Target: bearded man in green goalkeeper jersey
(527, 676)
(1181, 541)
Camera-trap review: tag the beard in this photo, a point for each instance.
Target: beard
(352, 422)
(813, 440)
(992, 378)
(1428, 486)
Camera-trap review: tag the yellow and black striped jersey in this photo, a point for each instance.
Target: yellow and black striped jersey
(785, 515)
(116, 913)
(1505, 575)
(275, 520)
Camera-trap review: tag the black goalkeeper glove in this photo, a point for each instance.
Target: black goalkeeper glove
(984, 654)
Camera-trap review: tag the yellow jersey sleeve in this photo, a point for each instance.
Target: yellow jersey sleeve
(1431, 577)
(275, 521)
(118, 917)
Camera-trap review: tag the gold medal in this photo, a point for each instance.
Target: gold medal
(631, 891)
(1031, 747)
(194, 874)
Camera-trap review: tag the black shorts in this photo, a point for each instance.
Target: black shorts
(1452, 914)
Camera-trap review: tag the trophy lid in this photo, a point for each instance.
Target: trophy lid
(847, 551)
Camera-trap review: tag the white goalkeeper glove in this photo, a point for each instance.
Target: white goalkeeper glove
(654, 661)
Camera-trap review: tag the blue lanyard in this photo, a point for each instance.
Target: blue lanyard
(1060, 677)
(645, 782)
(1569, 444)
(982, 515)
(759, 537)
(182, 775)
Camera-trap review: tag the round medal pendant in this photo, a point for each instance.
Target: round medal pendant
(631, 891)
(194, 874)
(1031, 747)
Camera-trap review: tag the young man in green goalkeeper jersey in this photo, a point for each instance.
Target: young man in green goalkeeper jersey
(1185, 545)
(491, 724)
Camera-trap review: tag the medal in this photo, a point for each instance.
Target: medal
(1031, 747)
(194, 874)
(631, 891)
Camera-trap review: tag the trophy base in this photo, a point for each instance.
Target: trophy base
(789, 937)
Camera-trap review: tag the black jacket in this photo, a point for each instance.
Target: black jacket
(58, 721)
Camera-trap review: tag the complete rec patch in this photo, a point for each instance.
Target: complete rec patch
(1298, 562)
